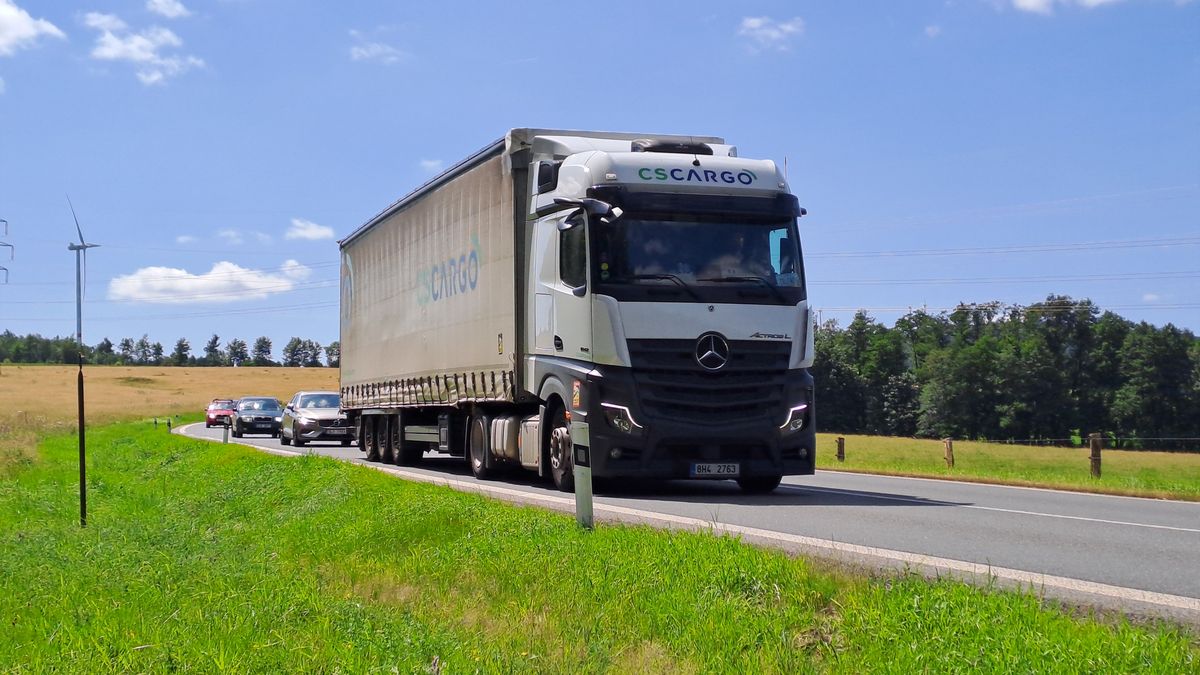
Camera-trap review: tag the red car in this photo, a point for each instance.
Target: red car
(220, 412)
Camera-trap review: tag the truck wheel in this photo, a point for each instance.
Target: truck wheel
(371, 438)
(387, 431)
(562, 466)
(759, 485)
(479, 447)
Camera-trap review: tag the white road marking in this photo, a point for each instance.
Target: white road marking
(1031, 579)
(917, 500)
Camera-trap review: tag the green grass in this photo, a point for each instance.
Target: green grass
(206, 557)
(1170, 475)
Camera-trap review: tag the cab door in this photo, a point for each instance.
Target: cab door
(572, 300)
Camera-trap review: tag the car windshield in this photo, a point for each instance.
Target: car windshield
(220, 405)
(319, 401)
(258, 404)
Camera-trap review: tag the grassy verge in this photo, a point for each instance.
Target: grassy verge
(1125, 472)
(207, 557)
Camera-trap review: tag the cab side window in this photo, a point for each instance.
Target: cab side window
(572, 256)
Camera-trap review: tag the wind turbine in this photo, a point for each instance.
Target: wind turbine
(80, 250)
(12, 251)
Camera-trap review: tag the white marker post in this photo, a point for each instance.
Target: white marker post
(224, 433)
(583, 487)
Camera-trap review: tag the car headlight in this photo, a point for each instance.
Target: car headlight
(795, 419)
(620, 418)
(279, 418)
(306, 420)
(247, 418)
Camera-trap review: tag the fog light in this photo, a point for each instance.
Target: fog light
(615, 453)
(620, 418)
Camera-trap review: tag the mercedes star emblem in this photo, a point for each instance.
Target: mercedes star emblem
(712, 351)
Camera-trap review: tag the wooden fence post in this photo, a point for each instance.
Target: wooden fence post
(949, 452)
(841, 449)
(1095, 441)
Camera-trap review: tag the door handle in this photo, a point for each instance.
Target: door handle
(558, 344)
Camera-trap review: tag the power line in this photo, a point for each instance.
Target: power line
(1028, 248)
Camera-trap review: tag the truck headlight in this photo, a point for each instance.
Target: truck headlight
(795, 419)
(620, 418)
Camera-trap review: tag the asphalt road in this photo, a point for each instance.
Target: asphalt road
(1136, 555)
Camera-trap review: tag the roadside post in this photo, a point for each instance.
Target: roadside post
(841, 449)
(224, 433)
(168, 425)
(583, 486)
(949, 452)
(1094, 440)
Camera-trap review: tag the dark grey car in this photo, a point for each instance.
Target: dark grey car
(257, 415)
(315, 416)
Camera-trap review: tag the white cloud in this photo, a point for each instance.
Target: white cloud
(225, 282)
(232, 237)
(172, 9)
(1150, 297)
(933, 31)
(145, 49)
(18, 30)
(1046, 7)
(765, 33)
(306, 229)
(185, 239)
(378, 52)
(432, 165)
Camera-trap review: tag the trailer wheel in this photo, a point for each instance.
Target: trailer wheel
(371, 437)
(479, 446)
(562, 468)
(759, 485)
(389, 428)
(408, 453)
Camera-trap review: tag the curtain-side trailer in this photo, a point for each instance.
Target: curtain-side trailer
(636, 299)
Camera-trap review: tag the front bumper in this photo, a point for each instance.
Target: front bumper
(257, 427)
(315, 432)
(661, 447)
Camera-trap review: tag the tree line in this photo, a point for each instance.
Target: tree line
(142, 352)
(1051, 372)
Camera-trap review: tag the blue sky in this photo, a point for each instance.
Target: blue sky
(947, 151)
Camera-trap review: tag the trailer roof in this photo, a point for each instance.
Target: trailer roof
(513, 141)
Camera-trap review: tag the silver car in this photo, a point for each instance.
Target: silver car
(314, 416)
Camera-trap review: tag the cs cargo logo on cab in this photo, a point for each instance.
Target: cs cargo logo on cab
(744, 177)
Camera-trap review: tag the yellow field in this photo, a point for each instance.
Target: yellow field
(39, 398)
(123, 392)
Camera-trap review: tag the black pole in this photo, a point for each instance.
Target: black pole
(82, 453)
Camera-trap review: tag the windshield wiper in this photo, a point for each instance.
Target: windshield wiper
(669, 277)
(755, 279)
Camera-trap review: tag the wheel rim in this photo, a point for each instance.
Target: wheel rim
(477, 444)
(560, 449)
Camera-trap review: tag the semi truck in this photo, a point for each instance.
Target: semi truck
(635, 303)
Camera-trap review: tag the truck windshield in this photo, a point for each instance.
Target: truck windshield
(719, 258)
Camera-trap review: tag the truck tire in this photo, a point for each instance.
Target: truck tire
(479, 446)
(388, 432)
(371, 437)
(562, 465)
(408, 453)
(759, 485)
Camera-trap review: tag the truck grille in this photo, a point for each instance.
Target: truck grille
(672, 385)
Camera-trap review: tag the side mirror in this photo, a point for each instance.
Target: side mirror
(579, 291)
(572, 221)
